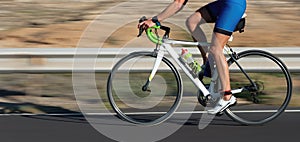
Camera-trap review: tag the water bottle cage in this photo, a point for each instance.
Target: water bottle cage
(196, 68)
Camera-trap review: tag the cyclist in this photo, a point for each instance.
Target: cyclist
(226, 15)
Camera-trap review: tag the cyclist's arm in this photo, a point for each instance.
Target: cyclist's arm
(172, 9)
(169, 11)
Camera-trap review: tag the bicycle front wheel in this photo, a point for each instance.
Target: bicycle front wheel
(266, 83)
(136, 105)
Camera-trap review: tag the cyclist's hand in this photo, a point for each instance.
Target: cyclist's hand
(146, 24)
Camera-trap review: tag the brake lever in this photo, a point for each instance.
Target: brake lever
(142, 27)
(141, 30)
(167, 31)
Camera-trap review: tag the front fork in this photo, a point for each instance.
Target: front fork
(160, 55)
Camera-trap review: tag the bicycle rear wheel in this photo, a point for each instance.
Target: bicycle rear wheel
(130, 102)
(266, 83)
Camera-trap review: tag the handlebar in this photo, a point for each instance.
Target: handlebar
(150, 34)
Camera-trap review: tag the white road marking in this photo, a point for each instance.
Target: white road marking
(141, 113)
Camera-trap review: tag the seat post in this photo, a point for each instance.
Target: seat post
(230, 39)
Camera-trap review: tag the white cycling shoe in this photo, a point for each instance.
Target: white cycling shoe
(221, 105)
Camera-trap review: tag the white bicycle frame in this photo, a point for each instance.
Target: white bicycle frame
(166, 47)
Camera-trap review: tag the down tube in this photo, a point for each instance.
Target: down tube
(196, 81)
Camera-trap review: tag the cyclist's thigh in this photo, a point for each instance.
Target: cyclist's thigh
(210, 11)
(229, 15)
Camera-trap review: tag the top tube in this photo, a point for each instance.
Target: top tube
(158, 40)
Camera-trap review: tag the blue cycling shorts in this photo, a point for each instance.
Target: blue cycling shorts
(226, 14)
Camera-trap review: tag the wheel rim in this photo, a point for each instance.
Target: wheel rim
(125, 115)
(268, 109)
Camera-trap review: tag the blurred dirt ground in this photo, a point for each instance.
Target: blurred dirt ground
(60, 23)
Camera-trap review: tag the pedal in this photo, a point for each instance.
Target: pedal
(201, 99)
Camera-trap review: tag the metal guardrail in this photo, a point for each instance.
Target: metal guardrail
(43, 60)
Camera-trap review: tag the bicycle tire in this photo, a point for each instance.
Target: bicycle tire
(262, 98)
(140, 56)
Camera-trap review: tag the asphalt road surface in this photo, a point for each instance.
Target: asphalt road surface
(76, 129)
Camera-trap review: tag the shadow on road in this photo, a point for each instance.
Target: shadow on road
(12, 105)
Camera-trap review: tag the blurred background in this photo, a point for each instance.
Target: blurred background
(60, 24)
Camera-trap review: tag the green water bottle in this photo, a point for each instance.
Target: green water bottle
(188, 58)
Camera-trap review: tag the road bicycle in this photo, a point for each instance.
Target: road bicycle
(145, 88)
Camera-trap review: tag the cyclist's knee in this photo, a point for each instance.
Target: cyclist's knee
(216, 51)
(193, 21)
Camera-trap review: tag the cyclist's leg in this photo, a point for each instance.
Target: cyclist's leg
(201, 16)
(228, 18)
(216, 50)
